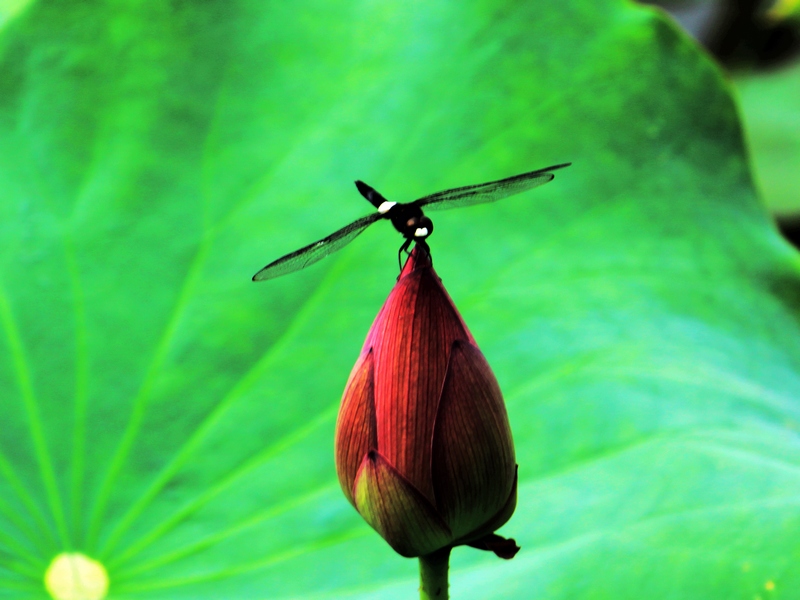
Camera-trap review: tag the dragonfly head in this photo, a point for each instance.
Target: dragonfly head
(422, 227)
(410, 222)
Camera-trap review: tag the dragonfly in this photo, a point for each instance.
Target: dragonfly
(406, 217)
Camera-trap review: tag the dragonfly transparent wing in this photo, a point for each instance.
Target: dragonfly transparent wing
(310, 254)
(488, 192)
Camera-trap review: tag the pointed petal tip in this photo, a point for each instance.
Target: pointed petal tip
(419, 258)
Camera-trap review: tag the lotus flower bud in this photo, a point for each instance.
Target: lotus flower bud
(423, 444)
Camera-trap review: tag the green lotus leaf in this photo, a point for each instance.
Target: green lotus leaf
(170, 419)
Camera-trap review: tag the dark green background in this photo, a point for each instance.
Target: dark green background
(163, 414)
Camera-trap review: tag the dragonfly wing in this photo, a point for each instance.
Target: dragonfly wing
(310, 254)
(488, 192)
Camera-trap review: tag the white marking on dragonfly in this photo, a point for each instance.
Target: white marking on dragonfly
(385, 207)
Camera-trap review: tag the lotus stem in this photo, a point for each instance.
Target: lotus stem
(433, 575)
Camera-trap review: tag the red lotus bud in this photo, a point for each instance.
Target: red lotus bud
(423, 444)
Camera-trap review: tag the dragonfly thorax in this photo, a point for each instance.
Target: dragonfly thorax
(409, 220)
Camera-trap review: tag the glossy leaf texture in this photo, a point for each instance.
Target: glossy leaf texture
(166, 416)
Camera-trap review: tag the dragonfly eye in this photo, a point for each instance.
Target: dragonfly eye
(424, 227)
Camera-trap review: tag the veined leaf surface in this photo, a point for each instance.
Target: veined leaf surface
(165, 416)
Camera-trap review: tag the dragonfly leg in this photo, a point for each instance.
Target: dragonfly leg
(403, 248)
